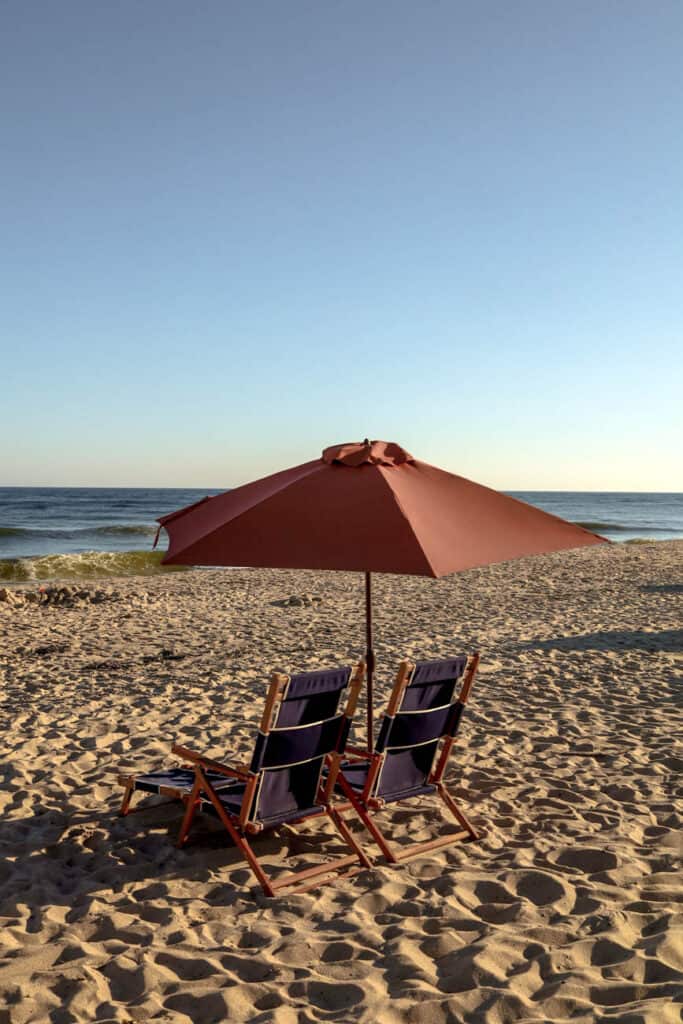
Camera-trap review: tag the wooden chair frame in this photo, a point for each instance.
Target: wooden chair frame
(363, 803)
(241, 772)
(239, 826)
(173, 793)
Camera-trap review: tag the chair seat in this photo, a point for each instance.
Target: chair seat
(180, 779)
(356, 773)
(231, 798)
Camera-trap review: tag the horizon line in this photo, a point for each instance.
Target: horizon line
(170, 487)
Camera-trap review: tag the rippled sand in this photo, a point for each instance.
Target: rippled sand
(565, 910)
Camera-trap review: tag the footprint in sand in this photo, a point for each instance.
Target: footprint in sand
(586, 859)
(542, 889)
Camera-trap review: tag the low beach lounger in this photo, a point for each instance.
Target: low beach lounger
(422, 714)
(284, 783)
(312, 702)
(302, 732)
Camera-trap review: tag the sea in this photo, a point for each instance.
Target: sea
(75, 532)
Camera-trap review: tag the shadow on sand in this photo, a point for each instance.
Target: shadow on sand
(69, 859)
(668, 640)
(663, 588)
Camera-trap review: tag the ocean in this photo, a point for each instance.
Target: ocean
(51, 532)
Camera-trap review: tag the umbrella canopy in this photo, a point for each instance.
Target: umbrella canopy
(365, 507)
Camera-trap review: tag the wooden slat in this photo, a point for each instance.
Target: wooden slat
(334, 761)
(437, 774)
(376, 761)
(300, 890)
(248, 799)
(320, 869)
(431, 844)
(469, 678)
(278, 682)
(405, 670)
(354, 689)
(470, 672)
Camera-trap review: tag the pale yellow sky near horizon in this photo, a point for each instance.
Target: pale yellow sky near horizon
(503, 469)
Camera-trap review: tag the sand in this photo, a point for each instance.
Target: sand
(567, 909)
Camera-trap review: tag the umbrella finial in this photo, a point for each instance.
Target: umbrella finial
(374, 453)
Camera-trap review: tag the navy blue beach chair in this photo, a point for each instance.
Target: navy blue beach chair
(412, 749)
(291, 777)
(321, 701)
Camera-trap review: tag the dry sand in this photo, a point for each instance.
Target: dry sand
(566, 910)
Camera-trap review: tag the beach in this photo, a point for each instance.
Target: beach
(567, 761)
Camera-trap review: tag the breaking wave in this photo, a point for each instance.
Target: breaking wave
(621, 528)
(112, 530)
(86, 565)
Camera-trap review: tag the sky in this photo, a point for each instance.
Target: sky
(236, 233)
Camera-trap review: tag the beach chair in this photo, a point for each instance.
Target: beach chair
(321, 701)
(284, 783)
(422, 716)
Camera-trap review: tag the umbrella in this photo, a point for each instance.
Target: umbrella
(366, 507)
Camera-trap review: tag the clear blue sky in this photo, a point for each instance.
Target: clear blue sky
(234, 233)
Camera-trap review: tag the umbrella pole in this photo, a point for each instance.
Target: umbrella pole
(369, 653)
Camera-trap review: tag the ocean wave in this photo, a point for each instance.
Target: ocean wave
(109, 530)
(86, 565)
(622, 527)
(123, 528)
(597, 527)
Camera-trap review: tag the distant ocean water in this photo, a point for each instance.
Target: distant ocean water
(50, 532)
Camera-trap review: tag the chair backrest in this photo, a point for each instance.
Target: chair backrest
(422, 710)
(311, 697)
(302, 724)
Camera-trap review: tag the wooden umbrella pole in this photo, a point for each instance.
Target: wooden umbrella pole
(369, 654)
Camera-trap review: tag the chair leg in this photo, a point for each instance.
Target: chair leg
(455, 810)
(245, 849)
(377, 835)
(366, 819)
(242, 844)
(190, 811)
(239, 840)
(417, 848)
(349, 838)
(127, 797)
(450, 839)
(269, 886)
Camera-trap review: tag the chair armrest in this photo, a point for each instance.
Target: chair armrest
(234, 771)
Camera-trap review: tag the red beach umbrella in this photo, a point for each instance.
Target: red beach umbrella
(365, 507)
